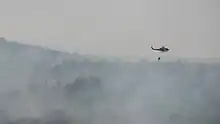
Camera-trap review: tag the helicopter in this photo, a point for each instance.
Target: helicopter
(161, 49)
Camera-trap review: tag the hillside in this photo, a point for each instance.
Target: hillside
(40, 85)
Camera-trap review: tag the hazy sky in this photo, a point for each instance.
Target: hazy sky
(115, 27)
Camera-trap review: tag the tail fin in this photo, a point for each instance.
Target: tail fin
(152, 48)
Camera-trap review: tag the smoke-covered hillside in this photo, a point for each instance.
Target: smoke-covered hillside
(42, 86)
